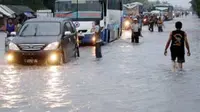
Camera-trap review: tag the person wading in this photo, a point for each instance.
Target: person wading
(140, 24)
(160, 25)
(151, 24)
(18, 25)
(178, 40)
(10, 27)
(97, 31)
(135, 31)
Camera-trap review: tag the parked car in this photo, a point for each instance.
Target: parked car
(49, 40)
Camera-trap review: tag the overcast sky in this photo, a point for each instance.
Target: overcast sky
(183, 3)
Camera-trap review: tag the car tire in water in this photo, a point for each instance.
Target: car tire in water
(65, 57)
(61, 61)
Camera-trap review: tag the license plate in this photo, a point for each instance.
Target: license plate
(31, 60)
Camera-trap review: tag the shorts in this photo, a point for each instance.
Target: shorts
(178, 54)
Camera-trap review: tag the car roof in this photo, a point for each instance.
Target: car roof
(50, 19)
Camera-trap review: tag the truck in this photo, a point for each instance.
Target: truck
(44, 13)
(130, 11)
(166, 9)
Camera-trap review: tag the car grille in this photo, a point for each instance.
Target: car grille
(31, 47)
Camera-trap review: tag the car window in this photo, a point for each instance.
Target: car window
(40, 29)
(68, 27)
(73, 27)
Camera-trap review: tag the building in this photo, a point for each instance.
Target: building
(14, 11)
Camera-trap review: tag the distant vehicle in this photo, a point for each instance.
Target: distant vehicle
(44, 13)
(85, 12)
(158, 13)
(130, 11)
(146, 17)
(48, 40)
(166, 9)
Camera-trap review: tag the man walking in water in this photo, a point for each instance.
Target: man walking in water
(178, 40)
(97, 31)
(135, 31)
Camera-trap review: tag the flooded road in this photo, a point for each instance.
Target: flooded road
(129, 78)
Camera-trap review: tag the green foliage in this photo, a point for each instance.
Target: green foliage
(49, 4)
(34, 4)
(196, 6)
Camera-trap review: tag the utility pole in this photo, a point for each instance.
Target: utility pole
(77, 10)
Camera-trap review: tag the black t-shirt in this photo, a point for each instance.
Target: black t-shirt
(178, 41)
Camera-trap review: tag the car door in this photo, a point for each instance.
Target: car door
(74, 36)
(65, 42)
(70, 39)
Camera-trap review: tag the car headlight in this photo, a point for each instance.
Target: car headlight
(93, 39)
(13, 46)
(145, 20)
(127, 23)
(52, 46)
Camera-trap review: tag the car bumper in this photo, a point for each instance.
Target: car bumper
(87, 39)
(32, 56)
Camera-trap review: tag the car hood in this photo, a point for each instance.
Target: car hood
(35, 40)
(84, 25)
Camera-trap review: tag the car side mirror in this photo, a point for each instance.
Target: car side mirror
(67, 33)
(13, 34)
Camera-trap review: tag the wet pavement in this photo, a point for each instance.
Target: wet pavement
(129, 78)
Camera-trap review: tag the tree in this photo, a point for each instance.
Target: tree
(196, 6)
(49, 4)
(34, 4)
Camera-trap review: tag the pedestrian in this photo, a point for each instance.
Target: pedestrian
(178, 40)
(151, 24)
(98, 40)
(18, 25)
(155, 20)
(160, 25)
(10, 27)
(140, 20)
(135, 31)
(182, 14)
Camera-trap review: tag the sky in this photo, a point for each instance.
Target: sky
(183, 3)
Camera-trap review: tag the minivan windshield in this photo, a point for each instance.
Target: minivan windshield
(40, 29)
